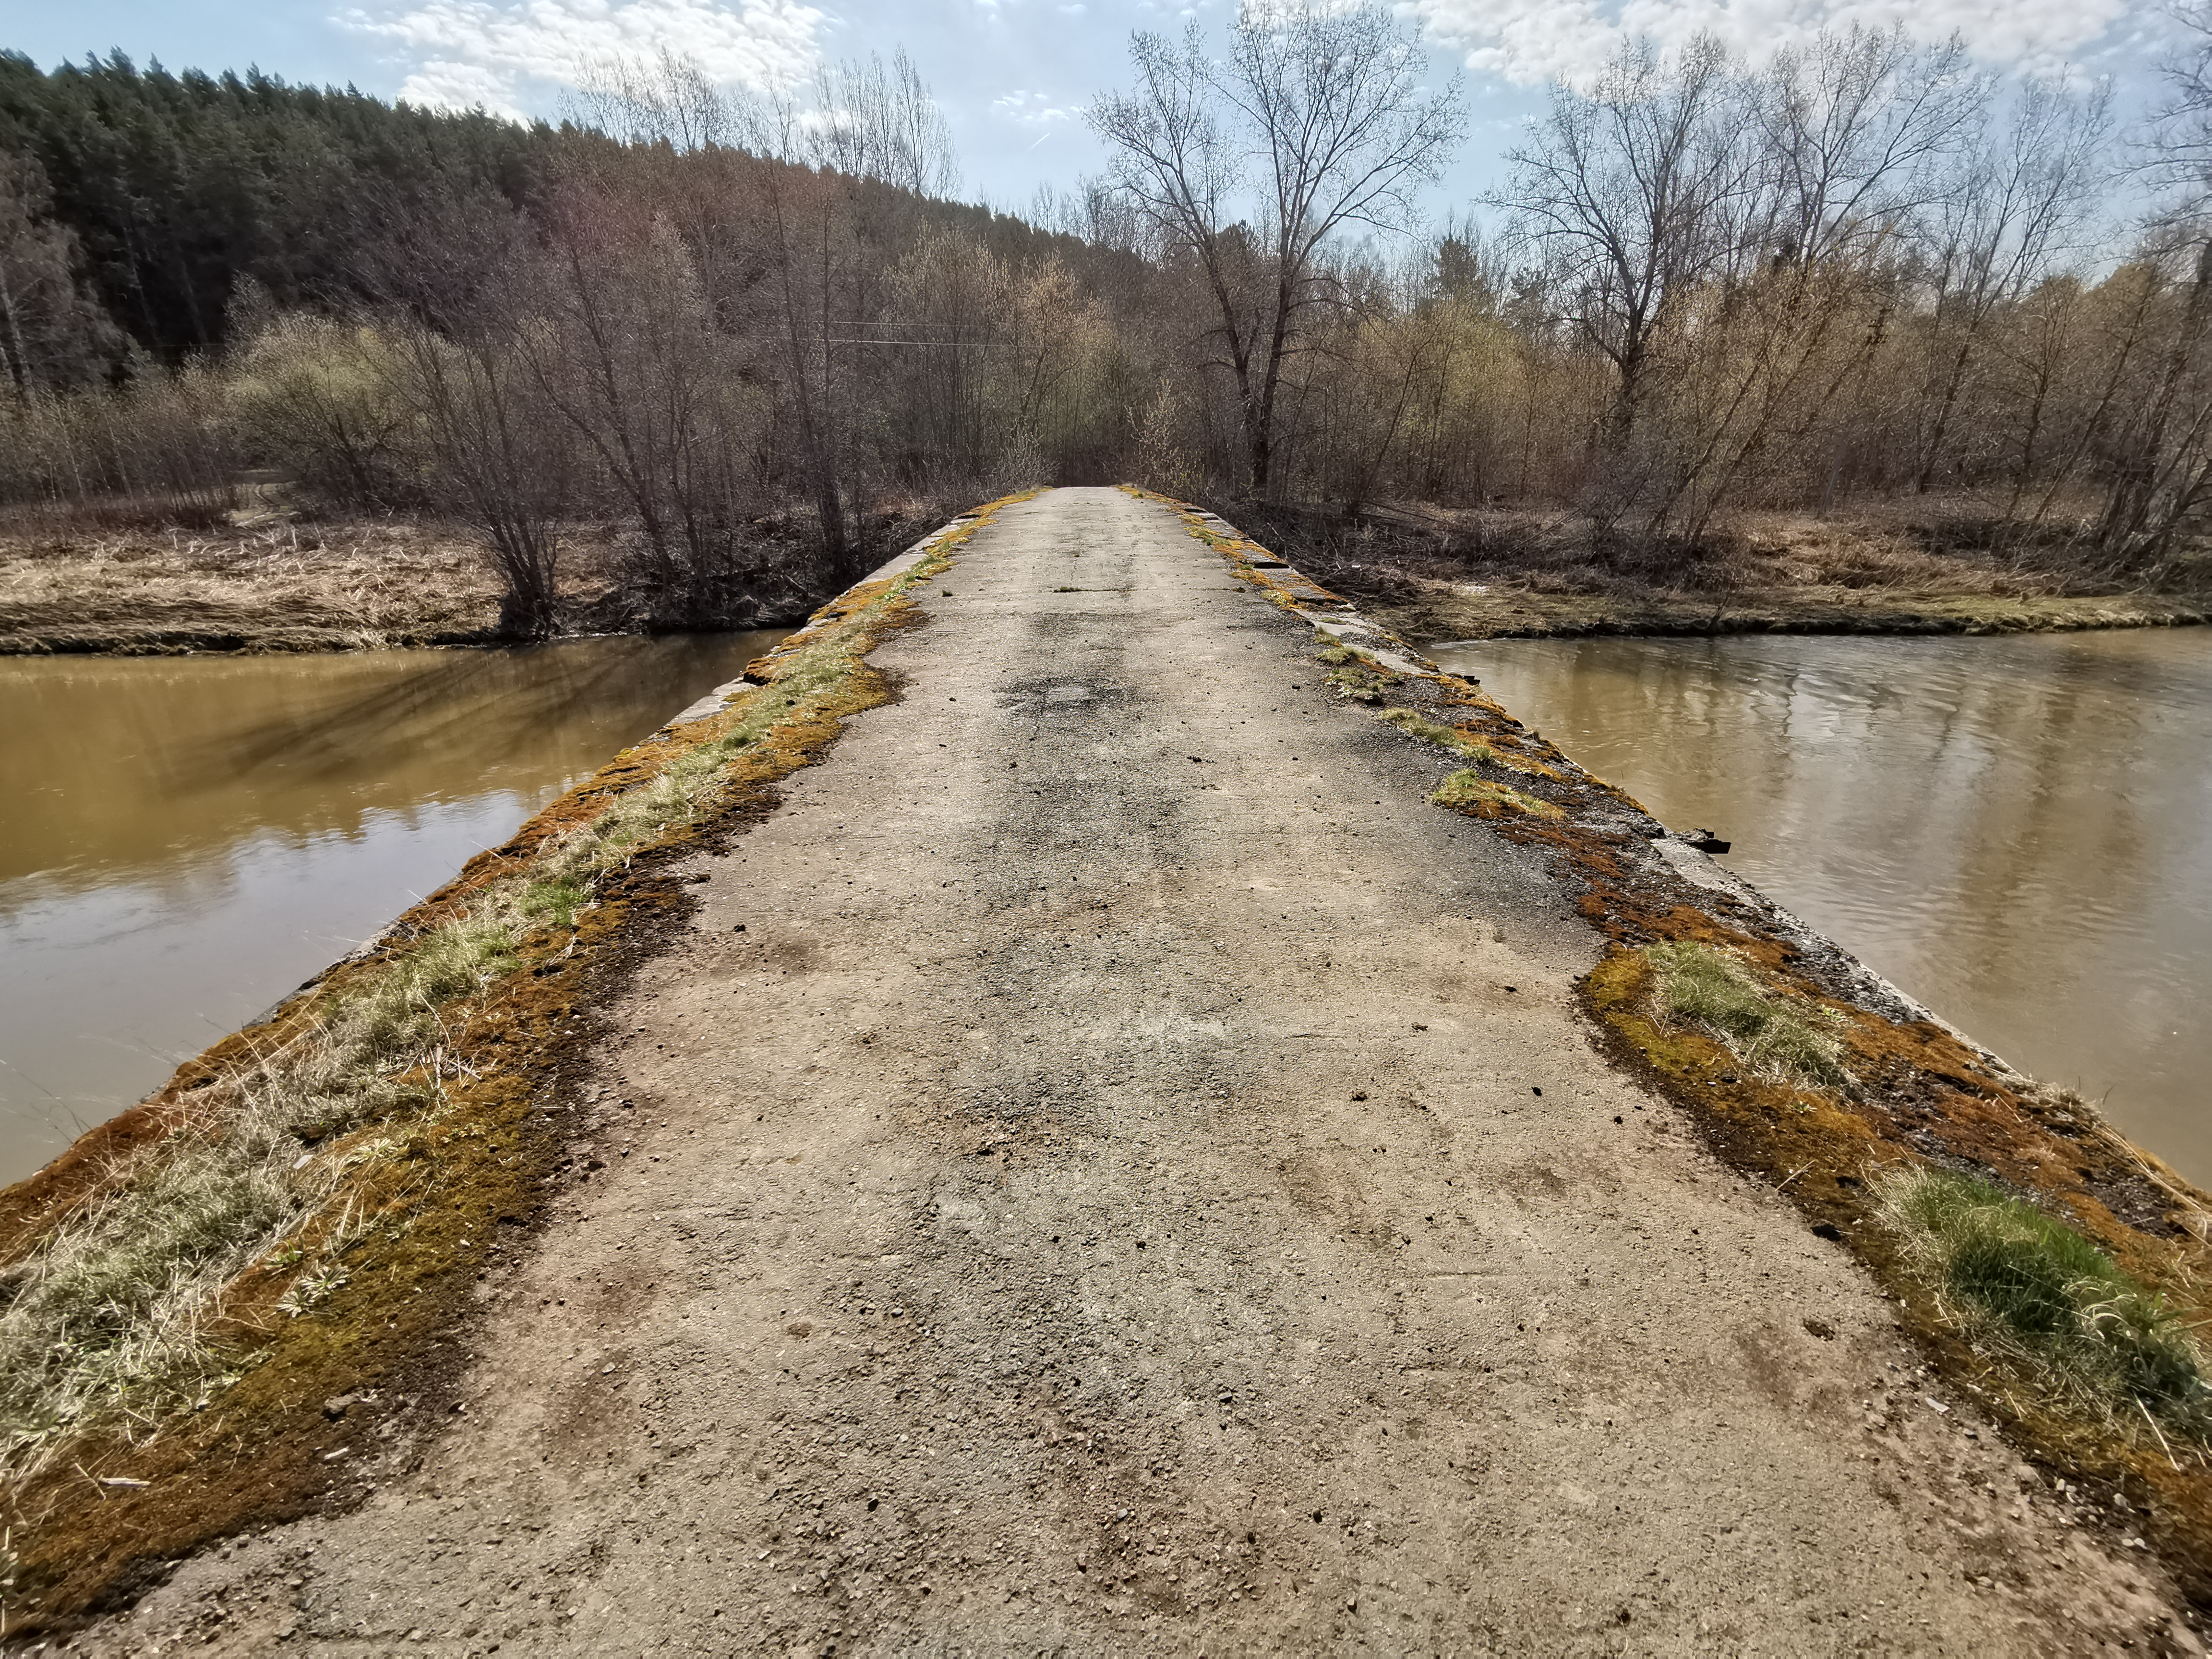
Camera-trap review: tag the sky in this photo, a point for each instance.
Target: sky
(1012, 75)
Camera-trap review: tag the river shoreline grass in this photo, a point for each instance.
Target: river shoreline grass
(273, 583)
(1442, 618)
(1920, 565)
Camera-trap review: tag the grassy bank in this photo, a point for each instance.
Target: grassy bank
(212, 1300)
(272, 581)
(1917, 566)
(1439, 614)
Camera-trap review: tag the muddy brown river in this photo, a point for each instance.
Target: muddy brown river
(184, 839)
(2018, 831)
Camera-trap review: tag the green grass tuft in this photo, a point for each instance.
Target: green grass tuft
(1419, 726)
(1697, 985)
(1469, 791)
(2025, 1284)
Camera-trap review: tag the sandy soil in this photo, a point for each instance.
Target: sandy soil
(1108, 1167)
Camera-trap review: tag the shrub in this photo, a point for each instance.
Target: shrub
(317, 399)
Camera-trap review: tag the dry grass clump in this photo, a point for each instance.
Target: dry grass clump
(113, 1305)
(1475, 749)
(1354, 674)
(1419, 726)
(359, 584)
(1697, 985)
(1470, 792)
(2026, 1286)
(1359, 684)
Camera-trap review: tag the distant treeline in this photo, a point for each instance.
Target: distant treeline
(173, 187)
(1864, 270)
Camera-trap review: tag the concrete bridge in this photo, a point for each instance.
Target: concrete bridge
(1108, 1166)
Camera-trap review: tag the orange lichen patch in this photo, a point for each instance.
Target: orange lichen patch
(1505, 757)
(1466, 694)
(395, 1253)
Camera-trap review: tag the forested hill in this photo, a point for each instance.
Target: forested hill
(172, 187)
(176, 185)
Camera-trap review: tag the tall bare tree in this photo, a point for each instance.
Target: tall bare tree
(2016, 204)
(1629, 190)
(871, 121)
(2158, 454)
(1319, 114)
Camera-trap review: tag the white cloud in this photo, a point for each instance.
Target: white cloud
(1534, 40)
(442, 84)
(481, 51)
(1033, 110)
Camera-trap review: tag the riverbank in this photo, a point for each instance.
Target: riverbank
(192, 836)
(271, 582)
(1119, 1150)
(164, 591)
(1440, 612)
(1917, 567)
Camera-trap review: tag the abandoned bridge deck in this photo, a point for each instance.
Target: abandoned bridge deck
(1110, 1165)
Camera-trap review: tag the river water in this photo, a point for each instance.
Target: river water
(2017, 831)
(184, 840)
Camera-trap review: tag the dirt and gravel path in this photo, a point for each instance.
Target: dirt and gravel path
(1110, 1167)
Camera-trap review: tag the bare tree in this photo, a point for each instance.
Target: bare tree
(499, 463)
(634, 361)
(460, 282)
(667, 99)
(2013, 208)
(798, 267)
(873, 122)
(2176, 154)
(2157, 456)
(1628, 190)
(1854, 135)
(1320, 112)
